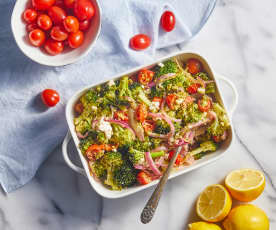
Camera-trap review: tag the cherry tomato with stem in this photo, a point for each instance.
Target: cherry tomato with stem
(145, 76)
(71, 24)
(75, 39)
(84, 9)
(141, 112)
(37, 37)
(170, 99)
(204, 105)
(192, 89)
(31, 27)
(143, 178)
(44, 22)
(168, 21)
(58, 33)
(57, 14)
(53, 47)
(29, 15)
(140, 42)
(69, 3)
(194, 66)
(84, 25)
(50, 97)
(42, 4)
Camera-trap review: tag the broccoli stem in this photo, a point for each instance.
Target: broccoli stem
(157, 154)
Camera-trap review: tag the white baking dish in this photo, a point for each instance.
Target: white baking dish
(101, 189)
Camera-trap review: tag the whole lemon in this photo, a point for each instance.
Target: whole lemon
(203, 226)
(246, 217)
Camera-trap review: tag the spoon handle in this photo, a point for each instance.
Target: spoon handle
(149, 209)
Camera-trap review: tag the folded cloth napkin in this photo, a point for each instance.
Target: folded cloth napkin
(29, 131)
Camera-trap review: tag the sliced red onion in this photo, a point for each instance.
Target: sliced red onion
(211, 115)
(94, 124)
(198, 124)
(169, 121)
(82, 136)
(174, 119)
(160, 162)
(162, 104)
(184, 150)
(200, 81)
(224, 136)
(140, 167)
(123, 124)
(138, 129)
(180, 142)
(157, 135)
(152, 165)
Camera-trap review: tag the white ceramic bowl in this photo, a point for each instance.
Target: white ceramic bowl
(99, 187)
(68, 56)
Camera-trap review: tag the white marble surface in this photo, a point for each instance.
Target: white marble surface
(239, 42)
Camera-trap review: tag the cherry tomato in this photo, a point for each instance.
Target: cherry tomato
(75, 39)
(84, 9)
(53, 47)
(170, 99)
(78, 108)
(69, 3)
(145, 76)
(178, 160)
(43, 4)
(29, 15)
(71, 24)
(148, 125)
(121, 115)
(37, 37)
(194, 66)
(192, 89)
(84, 25)
(204, 105)
(59, 3)
(140, 42)
(44, 22)
(50, 97)
(217, 139)
(57, 14)
(31, 27)
(168, 21)
(141, 112)
(58, 33)
(143, 178)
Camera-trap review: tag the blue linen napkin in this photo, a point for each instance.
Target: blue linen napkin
(29, 131)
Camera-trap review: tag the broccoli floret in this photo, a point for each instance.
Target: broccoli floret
(98, 168)
(139, 94)
(210, 88)
(155, 142)
(101, 139)
(203, 76)
(207, 146)
(82, 124)
(221, 123)
(134, 85)
(90, 97)
(125, 176)
(169, 66)
(88, 141)
(180, 80)
(157, 92)
(142, 145)
(110, 180)
(121, 135)
(123, 88)
(162, 127)
(136, 156)
(190, 114)
(111, 160)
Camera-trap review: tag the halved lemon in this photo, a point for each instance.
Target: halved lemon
(203, 226)
(214, 203)
(245, 184)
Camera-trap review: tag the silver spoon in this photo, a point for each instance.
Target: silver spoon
(149, 209)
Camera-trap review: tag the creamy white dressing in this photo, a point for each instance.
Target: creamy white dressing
(105, 127)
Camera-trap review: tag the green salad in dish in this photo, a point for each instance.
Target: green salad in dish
(129, 128)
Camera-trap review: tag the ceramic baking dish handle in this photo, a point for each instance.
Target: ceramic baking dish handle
(66, 156)
(235, 92)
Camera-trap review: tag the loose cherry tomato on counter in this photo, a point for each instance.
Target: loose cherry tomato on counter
(170, 99)
(37, 37)
(58, 33)
(145, 76)
(71, 24)
(140, 42)
(143, 178)
(168, 21)
(50, 97)
(121, 115)
(69, 3)
(75, 39)
(204, 105)
(57, 14)
(42, 4)
(192, 89)
(194, 66)
(141, 112)
(29, 15)
(53, 47)
(84, 25)
(178, 160)
(84, 9)
(78, 108)
(31, 27)
(44, 22)
(148, 125)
